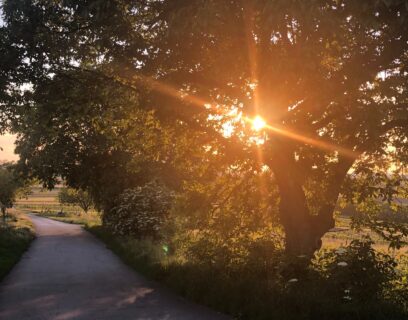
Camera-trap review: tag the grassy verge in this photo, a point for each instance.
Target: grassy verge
(91, 218)
(142, 256)
(15, 237)
(259, 291)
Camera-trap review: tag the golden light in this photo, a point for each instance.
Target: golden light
(258, 123)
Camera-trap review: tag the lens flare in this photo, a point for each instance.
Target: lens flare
(258, 123)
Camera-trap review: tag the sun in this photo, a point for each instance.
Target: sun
(258, 123)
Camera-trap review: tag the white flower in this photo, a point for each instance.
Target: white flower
(342, 264)
(293, 280)
(341, 251)
(347, 298)
(347, 291)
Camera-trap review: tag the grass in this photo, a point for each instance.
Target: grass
(43, 200)
(15, 237)
(246, 291)
(254, 291)
(45, 204)
(90, 218)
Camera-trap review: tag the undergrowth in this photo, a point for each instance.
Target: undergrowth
(16, 235)
(353, 282)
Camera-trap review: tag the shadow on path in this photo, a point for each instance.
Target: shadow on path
(69, 274)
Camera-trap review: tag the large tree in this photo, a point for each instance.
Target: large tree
(328, 77)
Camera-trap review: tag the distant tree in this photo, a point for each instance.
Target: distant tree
(73, 197)
(11, 186)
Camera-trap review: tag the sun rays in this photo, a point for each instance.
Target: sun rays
(258, 123)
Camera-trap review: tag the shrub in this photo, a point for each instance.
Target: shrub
(140, 212)
(358, 273)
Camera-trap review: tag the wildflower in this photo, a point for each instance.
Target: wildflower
(293, 280)
(347, 291)
(342, 264)
(341, 251)
(347, 298)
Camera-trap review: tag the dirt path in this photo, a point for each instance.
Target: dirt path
(69, 274)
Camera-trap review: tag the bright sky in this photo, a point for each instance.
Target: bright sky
(7, 143)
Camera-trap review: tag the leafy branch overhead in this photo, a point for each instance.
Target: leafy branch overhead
(113, 95)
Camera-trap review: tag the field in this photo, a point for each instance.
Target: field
(45, 203)
(342, 235)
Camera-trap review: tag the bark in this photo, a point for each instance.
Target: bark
(3, 211)
(303, 230)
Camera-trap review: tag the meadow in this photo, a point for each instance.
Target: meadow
(45, 203)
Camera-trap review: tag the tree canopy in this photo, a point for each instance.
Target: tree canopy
(123, 92)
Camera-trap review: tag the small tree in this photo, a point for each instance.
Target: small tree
(81, 198)
(10, 186)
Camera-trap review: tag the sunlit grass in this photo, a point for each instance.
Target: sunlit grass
(45, 203)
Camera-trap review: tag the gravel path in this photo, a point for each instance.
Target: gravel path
(69, 274)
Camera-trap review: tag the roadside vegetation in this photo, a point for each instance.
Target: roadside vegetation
(16, 234)
(350, 282)
(352, 277)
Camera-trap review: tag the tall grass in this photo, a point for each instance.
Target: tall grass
(15, 237)
(266, 288)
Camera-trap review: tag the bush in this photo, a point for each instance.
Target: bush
(358, 272)
(353, 282)
(140, 212)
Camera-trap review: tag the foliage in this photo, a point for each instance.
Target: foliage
(15, 238)
(123, 93)
(253, 289)
(11, 186)
(223, 217)
(100, 69)
(140, 212)
(357, 272)
(81, 198)
(381, 206)
(90, 219)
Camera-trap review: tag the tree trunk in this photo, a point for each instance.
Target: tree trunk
(303, 231)
(3, 211)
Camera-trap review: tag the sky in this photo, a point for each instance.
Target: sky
(7, 140)
(7, 143)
